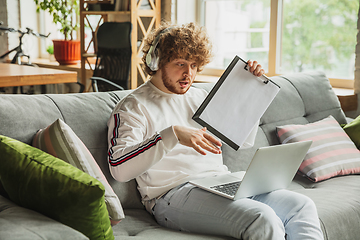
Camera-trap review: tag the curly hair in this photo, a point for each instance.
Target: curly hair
(187, 41)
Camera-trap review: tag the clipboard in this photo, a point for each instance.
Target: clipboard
(236, 103)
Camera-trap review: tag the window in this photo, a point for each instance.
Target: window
(238, 27)
(319, 35)
(285, 36)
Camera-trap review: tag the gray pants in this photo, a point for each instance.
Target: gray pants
(264, 217)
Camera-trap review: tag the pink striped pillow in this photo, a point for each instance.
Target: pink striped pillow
(332, 152)
(59, 140)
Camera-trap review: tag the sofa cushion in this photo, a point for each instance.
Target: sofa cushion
(87, 115)
(18, 223)
(59, 140)
(332, 153)
(139, 224)
(337, 203)
(41, 182)
(353, 131)
(303, 98)
(31, 112)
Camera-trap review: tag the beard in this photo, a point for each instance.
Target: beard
(172, 86)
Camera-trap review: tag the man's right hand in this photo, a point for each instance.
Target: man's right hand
(198, 139)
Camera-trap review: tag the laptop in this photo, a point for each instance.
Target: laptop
(271, 168)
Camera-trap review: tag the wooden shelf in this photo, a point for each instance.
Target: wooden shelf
(88, 55)
(105, 12)
(140, 30)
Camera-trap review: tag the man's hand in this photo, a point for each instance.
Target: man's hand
(198, 139)
(255, 68)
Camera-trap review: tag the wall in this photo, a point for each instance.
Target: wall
(4, 19)
(188, 9)
(19, 14)
(166, 10)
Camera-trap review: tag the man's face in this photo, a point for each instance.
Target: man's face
(178, 75)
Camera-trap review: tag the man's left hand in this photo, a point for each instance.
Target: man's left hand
(255, 68)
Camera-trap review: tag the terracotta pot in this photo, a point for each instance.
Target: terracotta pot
(67, 52)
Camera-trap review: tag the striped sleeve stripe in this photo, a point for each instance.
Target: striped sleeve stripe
(136, 152)
(132, 154)
(116, 128)
(114, 133)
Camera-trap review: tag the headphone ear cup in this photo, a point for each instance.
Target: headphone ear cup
(155, 61)
(152, 57)
(152, 60)
(149, 58)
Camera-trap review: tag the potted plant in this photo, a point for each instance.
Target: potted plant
(50, 50)
(64, 12)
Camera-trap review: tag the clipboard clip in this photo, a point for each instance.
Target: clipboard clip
(246, 67)
(267, 79)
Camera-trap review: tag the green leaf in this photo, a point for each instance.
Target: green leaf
(64, 13)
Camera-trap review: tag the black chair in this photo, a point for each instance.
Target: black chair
(113, 60)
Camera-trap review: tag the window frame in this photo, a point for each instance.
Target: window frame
(276, 8)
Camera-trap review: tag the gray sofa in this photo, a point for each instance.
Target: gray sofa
(305, 97)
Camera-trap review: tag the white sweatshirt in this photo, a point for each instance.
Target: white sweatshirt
(143, 145)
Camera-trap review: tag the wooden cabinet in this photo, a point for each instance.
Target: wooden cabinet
(144, 16)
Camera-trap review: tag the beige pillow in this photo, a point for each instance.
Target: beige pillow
(59, 140)
(332, 152)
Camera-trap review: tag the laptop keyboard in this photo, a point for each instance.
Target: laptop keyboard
(228, 188)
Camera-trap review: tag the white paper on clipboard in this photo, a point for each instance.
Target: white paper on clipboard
(236, 103)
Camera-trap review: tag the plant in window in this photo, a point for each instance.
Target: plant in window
(50, 49)
(64, 14)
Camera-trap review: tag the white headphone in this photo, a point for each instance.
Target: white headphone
(152, 57)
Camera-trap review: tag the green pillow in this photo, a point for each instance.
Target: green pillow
(353, 131)
(38, 181)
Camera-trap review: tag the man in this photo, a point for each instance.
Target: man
(152, 138)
